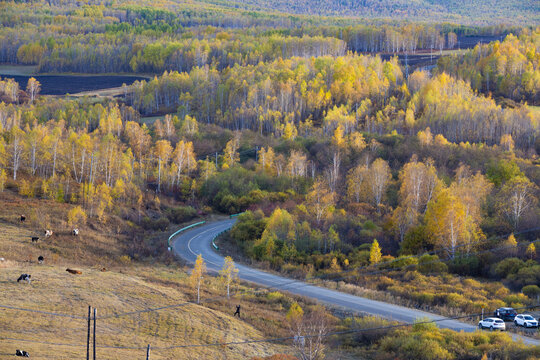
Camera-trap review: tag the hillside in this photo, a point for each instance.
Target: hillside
(125, 286)
(467, 12)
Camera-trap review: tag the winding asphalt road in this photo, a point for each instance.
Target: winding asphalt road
(198, 240)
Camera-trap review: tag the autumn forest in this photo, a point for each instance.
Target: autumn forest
(408, 147)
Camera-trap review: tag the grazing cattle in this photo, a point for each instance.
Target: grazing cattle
(22, 353)
(2, 259)
(74, 272)
(48, 233)
(35, 238)
(24, 277)
(103, 269)
(75, 232)
(23, 218)
(40, 259)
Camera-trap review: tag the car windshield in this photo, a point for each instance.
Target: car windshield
(498, 321)
(528, 317)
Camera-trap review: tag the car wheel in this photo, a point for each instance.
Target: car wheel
(480, 326)
(491, 328)
(515, 323)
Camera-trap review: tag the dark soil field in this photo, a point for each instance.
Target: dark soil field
(424, 58)
(72, 84)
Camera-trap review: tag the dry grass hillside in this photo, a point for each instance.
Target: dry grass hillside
(126, 285)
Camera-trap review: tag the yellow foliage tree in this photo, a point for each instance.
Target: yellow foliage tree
(266, 160)
(375, 254)
(320, 200)
(448, 225)
(531, 251)
(189, 126)
(3, 179)
(231, 155)
(295, 313)
(162, 151)
(228, 273)
(76, 217)
(197, 275)
(280, 225)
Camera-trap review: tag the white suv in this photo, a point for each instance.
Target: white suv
(525, 320)
(492, 324)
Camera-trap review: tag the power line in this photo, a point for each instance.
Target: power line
(72, 345)
(280, 286)
(343, 332)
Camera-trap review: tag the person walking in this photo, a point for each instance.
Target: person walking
(237, 312)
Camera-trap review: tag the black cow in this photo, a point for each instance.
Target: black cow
(22, 353)
(23, 218)
(40, 259)
(35, 238)
(24, 277)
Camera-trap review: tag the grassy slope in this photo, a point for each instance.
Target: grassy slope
(121, 288)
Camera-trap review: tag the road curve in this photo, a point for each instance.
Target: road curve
(193, 242)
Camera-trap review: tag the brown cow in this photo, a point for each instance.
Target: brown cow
(74, 272)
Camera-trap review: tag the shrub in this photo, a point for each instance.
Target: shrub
(402, 262)
(512, 300)
(384, 283)
(274, 296)
(415, 241)
(76, 216)
(124, 260)
(181, 214)
(26, 188)
(526, 276)
(158, 224)
(424, 298)
(430, 264)
(507, 267)
(454, 300)
(465, 266)
(532, 291)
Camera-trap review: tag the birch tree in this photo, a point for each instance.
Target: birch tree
(162, 151)
(16, 148)
(33, 88)
(197, 275)
(320, 199)
(231, 155)
(184, 159)
(517, 196)
(356, 182)
(379, 175)
(228, 274)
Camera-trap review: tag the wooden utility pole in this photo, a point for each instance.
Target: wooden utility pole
(148, 352)
(95, 312)
(88, 336)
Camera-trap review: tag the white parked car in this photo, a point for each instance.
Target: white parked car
(525, 320)
(492, 324)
